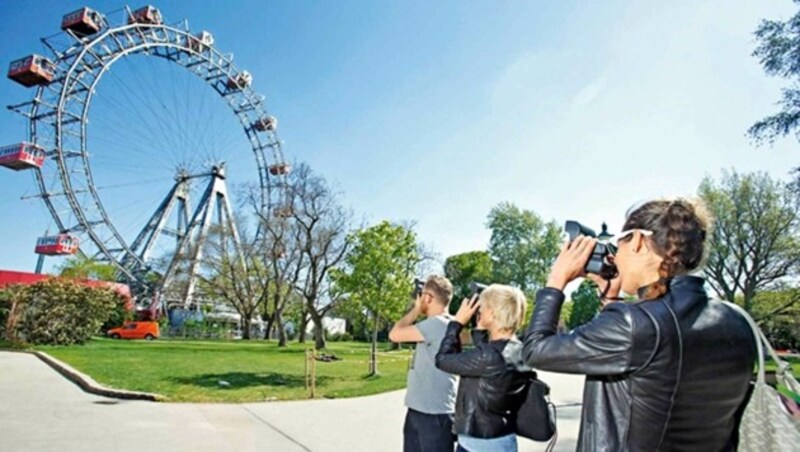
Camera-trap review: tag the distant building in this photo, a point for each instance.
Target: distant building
(332, 325)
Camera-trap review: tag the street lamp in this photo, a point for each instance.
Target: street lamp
(604, 235)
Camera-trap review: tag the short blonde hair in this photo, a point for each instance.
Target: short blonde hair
(508, 305)
(441, 288)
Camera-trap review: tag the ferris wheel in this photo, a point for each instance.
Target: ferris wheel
(131, 149)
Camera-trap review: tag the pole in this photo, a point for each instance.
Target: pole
(306, 373)
(313, 373)
(39, 264)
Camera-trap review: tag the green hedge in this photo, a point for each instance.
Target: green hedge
(59, 311)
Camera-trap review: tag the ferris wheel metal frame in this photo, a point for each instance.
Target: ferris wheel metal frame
(58, 117)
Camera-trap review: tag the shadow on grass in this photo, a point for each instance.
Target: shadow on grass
(235, 380)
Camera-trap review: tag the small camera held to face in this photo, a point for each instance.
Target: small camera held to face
(476, 288)
(418, 286)
(598, 263)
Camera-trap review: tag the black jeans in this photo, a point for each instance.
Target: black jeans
(428, 432)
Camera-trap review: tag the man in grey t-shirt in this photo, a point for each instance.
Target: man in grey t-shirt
(431, 393)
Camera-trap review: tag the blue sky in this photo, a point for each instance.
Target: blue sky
(436, 111)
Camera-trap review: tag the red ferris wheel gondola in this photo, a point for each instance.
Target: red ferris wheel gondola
(146, 15)
(57, 245)
(21, 156)
(32, 70)
(83, 22)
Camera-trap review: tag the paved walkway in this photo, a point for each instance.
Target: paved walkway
(41, 411)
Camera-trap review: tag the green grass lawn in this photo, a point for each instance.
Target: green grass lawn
(191, 371)
(795, 362)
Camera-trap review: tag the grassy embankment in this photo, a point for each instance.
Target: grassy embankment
(232, 371)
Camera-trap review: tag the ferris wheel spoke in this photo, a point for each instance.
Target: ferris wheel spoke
(143, 146)
(147, 143)
(151, 119)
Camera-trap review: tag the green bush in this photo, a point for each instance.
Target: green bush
(61, 312)
(118, 316)
(4, 308)
(783, 332)
(778, 314)
(12, 302)
(339, 337)
(585, 304)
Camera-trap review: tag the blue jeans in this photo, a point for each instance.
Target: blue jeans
(506, 443)
(428, 432)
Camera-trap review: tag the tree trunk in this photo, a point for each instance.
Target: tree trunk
(319, 338)
(246, 327)
(319, 331)
(270, 324)
(373, 357)
(748, 299)
(266, 318)
(301, 333)
(282, 339)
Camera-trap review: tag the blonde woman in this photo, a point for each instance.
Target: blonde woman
(490, 373)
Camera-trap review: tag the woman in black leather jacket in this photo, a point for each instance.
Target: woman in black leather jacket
(670, 371)
(492, 382)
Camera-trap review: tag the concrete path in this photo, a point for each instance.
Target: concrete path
(41, 411)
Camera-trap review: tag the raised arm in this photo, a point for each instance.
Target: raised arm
(604, 346)
(478, 362)
(404, 329)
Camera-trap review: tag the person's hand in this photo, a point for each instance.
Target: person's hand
(571, 262)
(417, 308)
(467, 310)
(609, 289)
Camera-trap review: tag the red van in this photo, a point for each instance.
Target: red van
(135, 330)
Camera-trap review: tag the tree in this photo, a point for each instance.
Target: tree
(83, 267)
(280, 253)
(322, 226)
(585, 304)
(522, 246)
(462, 269)
(377, 273)
(754, 244)
(236, 275)
(777, 51)
(283, 257)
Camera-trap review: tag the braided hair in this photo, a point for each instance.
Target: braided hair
(680, 228)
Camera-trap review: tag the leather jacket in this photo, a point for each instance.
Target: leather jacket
(490, 389)
(671, 373)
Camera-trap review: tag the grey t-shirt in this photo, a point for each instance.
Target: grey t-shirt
(430, 390)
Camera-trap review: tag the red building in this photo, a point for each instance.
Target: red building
(9, 277)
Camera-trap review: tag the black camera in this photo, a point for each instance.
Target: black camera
(418, 285)
(598, 262)
(476, 288)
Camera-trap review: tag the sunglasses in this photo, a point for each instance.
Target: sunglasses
(613, 242)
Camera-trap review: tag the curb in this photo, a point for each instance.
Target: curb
(88, 384)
